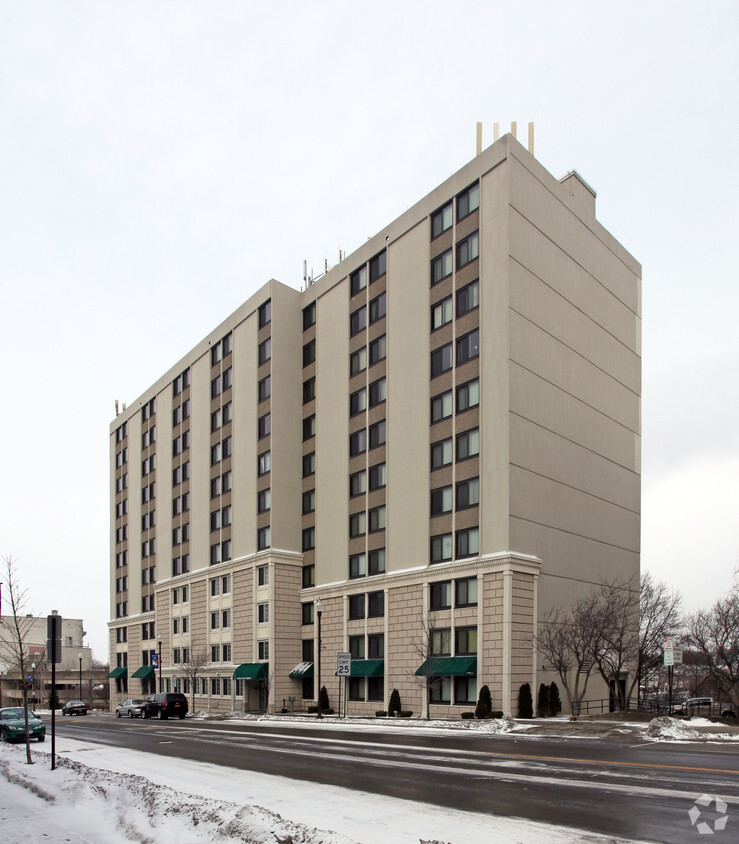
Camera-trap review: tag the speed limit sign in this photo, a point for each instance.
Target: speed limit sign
(343, 664)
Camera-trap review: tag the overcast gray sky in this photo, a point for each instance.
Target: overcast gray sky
(160, 161)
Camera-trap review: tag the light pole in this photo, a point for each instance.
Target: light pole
(319, 612)
(80, 659)
(33, 679)
(159, 660)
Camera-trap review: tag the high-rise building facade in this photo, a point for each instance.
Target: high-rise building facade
(439, 440)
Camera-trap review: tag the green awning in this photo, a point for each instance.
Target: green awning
(367, 668)
(303, 669)
(143, 672)
(252, 671)
(116, 673)
(449, 666)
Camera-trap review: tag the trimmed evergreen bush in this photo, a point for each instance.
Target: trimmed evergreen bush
(54, 702)
(542, 702)
(381, 713)
(325, 705)
(496, 713)
(555, 703)
(525, 702)
(484, 704)
(394, 705)
(466, 716)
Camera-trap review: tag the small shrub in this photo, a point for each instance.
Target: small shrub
(484, 703)
(406, 713)
(542, 702)
(312, 709)
(381, 713)
(394, 705)
(555, 702)
(525, 702)
(323, 696)
(466, 716)
(496, 713)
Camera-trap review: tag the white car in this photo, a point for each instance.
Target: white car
(132, 708)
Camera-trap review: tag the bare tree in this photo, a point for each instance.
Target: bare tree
(13, 640)
(615, 611)
(660, 614)
(714, 634)
(568, 642)
(432, 643)
(192, 669)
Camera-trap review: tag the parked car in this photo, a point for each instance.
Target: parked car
(13, 724)
(694, 706)
(74, 707)
(131, 708)
(165, 705)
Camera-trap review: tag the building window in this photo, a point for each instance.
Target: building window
(441, 500)
(378, 349)
(468, 201)
(358, 442)
(264, 352)
(441, 642)
(377, 392)
(309, 464)
(264, 500)
(309, 576)
(262, 575)
(356, 647)
(358, 402)
(357, 524)
(465, 690)
(377, 476)
(378, 266)
(468, 493)
(309, 538)
(265, 313)
(377, 519)
(309, 427)
(356, 607)
(441, 406)
(309, 315)
(441, 267)
(467, 542)
(264, 388)
(358, 320)
(309, 501)
(441, 360)
(441, 313)
(442, 453)
(377, 561)
(468, 395)
(216, 387)
(263, 538)
(465, 592)
(307, 611)
(264, 426)
(441, 595)
(309, 353)
(309, 390)
(227, 344)
(441, 220)
(468, 249)
(375, 646)
(358, 280)
(357, 483)
(465, 641)
(263, 650)
(358, 361)
(357, 565)
(225, 619)
(468, 298)
(377, 308)
(376, 604)
(468, 444)
(468, 347)
(215, 587)
(441, 548)
(356, 688)
(263, 613)
(264, 463)
(215, 454)
(377, 434)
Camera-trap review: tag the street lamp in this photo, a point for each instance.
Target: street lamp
(159, 660)
(319, 611)
(33, 672)
(80, 658)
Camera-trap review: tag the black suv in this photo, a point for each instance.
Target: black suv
(165, 705)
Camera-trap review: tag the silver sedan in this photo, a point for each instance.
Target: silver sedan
(132, 708)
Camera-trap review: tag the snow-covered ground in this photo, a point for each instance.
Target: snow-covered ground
(109, 795)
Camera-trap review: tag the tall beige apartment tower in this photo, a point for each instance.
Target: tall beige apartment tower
(432, 444)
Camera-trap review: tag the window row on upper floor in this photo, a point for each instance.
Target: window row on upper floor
(467, 348)
(467, 202)
(467, 250)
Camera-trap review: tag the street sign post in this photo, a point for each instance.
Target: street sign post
(343, 664)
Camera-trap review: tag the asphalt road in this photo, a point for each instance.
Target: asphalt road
(634, 789)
